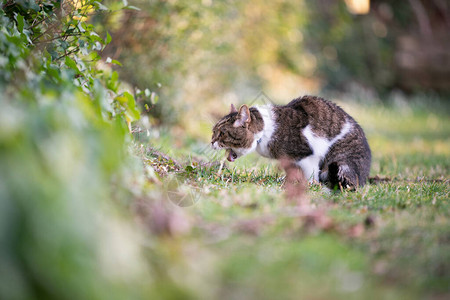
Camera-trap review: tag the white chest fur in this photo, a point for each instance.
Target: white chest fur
(265, 136)
(319, 146)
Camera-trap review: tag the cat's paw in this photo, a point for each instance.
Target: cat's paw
(347, 178)
(340, 176)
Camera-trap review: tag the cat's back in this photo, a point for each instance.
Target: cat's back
(326, 118)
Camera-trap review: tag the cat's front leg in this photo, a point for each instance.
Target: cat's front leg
(310, 168)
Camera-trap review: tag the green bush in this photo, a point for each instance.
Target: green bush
(63, 136)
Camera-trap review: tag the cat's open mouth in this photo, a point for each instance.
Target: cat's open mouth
(231, 155)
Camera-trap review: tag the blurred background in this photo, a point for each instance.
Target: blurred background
(200, 56)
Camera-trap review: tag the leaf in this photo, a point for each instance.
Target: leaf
(94, 56)
(100, 6)
(121, 99)
(127, 101)
(108, 38)
(116, 62)
(113, 82)
(30, 5)
(81, 27)
(129, 97)
(72, 64)
(132, 7)
(20, 22)
(114, 76)
(64, 45)
(132, 112)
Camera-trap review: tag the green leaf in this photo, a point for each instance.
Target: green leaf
(128, 102)
(116, 62)
(72, 64)
(114, 76)
(20, 22)
(132, 113)
(129, 97)
(100, 6)
(108, 38)
(94, 37)
(94, 56)
(81, 27)
(64, 45)
(132, 7)
(113, 82)
(121, 99)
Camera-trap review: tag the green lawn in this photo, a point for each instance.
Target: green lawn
(239, 238)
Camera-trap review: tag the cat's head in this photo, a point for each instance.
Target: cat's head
(235, 133)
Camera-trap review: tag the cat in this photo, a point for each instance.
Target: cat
(319, 136)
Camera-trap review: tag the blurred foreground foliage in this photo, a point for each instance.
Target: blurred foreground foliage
(64, 127)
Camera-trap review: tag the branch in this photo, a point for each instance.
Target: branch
(68, 53)
(58, 37)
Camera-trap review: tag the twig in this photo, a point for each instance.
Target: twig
(68, 53)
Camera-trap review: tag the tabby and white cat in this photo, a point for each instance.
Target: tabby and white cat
(321, 138)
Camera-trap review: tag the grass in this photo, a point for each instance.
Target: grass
(388, 240)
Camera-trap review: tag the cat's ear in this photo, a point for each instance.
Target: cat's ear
(243, 117)
(233, 109)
